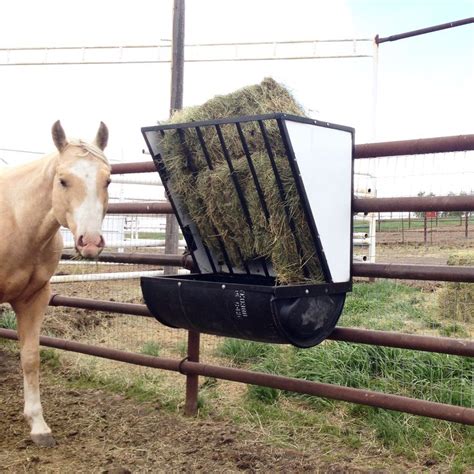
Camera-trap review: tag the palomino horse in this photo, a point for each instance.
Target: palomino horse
(68, 188)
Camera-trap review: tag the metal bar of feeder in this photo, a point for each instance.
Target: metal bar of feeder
(191, 165)
(282, 193)
(204, 148)
(194, 170)
(238, 190)
(235, 179)
(248, 156)
(160, 165)
(258, 187)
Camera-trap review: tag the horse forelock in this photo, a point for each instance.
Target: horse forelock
(88, 148)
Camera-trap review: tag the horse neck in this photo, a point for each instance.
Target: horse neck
(31, 197)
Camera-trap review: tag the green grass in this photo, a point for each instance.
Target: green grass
(385, 305)
(244, 352)
(8, 320)
(151, 348)
(395, 225)
(148, 235)
(436, 377)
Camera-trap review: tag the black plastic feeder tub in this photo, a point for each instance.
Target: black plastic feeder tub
(243, 300)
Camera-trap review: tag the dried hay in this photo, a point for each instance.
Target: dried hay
(207, 192)
(456, 300)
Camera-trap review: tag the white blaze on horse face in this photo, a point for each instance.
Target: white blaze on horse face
(88, 215)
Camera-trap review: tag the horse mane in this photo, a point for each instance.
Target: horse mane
(88, 148)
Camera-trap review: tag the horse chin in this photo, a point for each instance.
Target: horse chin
(89, 252)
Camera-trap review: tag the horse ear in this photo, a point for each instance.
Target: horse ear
(102, 136)
(59, 137)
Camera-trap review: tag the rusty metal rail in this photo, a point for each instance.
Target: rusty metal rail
(415, 147)
(140, 208)
(100, 305)
(414, 272)
(423, 31)
(451, 273)
(184, 261)
(366, 150)
(128, 168)
(402, 204)
(419, 204)
(337, 392)
(445, 345)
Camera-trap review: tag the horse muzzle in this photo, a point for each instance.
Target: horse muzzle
(90, 245)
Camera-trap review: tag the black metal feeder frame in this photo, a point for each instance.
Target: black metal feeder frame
(244, 301)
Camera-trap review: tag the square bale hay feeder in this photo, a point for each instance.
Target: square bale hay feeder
(264, 204)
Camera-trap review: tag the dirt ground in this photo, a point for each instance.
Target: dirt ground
(97, 431)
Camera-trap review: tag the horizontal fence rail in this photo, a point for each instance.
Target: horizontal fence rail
(140, 208)
(414, 272)
(365, 150)
(414, 204)
(184, 261)
(415, 147)
(444, 345)
(337, 392)
(100, 305)
(452, 273)
(362, 205)
(368, 150)
(129, 168)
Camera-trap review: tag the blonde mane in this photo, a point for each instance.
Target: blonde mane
(88, 148)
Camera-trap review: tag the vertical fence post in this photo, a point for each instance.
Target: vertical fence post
(176, 103)
(425, 228)
(403, 230)
(192, 381)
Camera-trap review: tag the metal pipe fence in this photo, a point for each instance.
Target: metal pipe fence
(191, 367)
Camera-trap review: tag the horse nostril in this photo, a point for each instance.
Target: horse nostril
(80, 241)
(101, 242)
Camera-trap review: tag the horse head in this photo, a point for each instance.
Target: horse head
(80, 195)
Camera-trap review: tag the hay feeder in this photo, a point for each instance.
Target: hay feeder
(303, 189)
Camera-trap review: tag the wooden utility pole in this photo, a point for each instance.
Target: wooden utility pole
(176, 103)
(172, 228)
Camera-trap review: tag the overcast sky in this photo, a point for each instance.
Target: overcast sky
(425, 83)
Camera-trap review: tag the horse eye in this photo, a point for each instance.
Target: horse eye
(63, 183)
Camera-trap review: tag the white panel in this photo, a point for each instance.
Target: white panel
(324, 157)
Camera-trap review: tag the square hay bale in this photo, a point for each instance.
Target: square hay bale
(456, 300)
(201, 178)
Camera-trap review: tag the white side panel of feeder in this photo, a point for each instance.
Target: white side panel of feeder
(324, 157)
